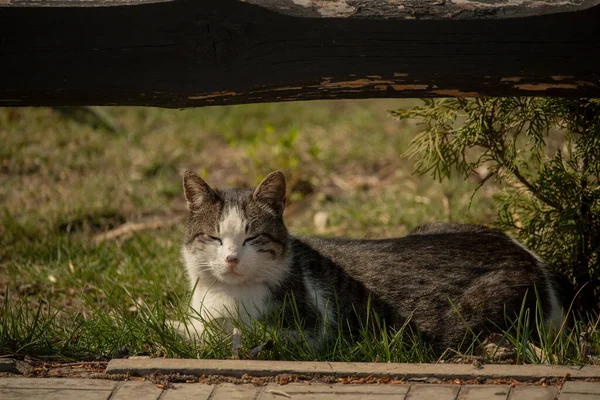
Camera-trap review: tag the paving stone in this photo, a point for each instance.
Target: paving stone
(581, 387)
(53, 394)
(480, 392)
(433, 392)
(339, 388)
(188, 391)
(229, 391)
(578, 396)
(137, 391)
(533, 393)
(323, 391)
(270, 368)
(56, 383)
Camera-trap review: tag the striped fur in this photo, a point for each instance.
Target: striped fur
(483, 272)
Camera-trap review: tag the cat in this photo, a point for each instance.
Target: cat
(444, 278)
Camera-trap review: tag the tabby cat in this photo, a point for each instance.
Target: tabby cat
(242, 263)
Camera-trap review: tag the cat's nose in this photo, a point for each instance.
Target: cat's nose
(232, 260)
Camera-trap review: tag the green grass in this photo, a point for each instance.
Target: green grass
(66, 180)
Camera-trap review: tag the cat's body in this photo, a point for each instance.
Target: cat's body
(483, 272)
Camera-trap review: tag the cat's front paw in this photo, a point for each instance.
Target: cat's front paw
(195, 330)
(191, 330)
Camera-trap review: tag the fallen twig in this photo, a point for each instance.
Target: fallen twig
(129, 228)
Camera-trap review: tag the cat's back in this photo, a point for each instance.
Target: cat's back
(429, 247)
(440, 260)
(482, 271)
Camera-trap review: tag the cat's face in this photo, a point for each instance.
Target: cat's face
(236, 236)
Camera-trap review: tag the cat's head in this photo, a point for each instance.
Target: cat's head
(236, 236)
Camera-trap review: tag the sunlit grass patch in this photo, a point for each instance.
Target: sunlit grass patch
(114, 328)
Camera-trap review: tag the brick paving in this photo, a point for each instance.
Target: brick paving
(238, 368)
(95, 389)
(230, 377)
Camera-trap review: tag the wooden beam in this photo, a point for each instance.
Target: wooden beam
(191, 53)
(421, 9)
(371, 9)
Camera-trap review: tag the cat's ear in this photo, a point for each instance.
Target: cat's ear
(271, 191)
(196, 190)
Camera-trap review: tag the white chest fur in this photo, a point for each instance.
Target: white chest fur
(223, 301)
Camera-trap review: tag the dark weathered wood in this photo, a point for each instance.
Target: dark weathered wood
(421, 9)
(371, 9)
(195, 53)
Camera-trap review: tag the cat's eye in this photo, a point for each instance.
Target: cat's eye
(216, 239)
(250, 239)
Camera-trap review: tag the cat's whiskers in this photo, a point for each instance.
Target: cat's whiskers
(271, 271)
